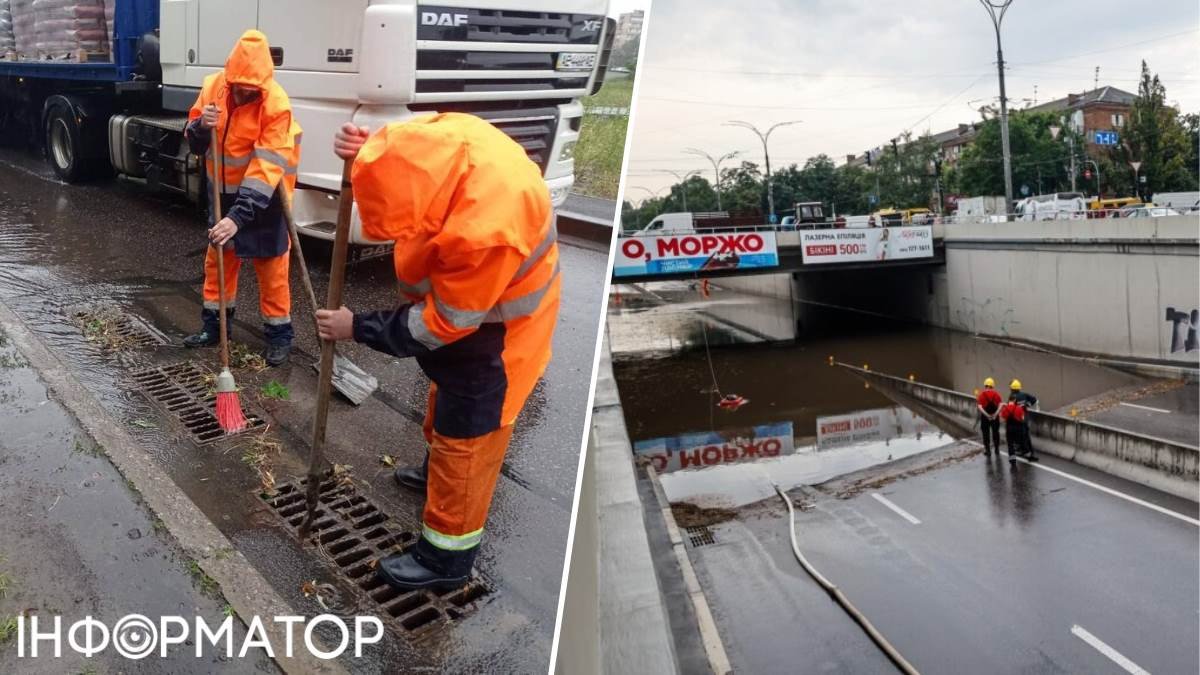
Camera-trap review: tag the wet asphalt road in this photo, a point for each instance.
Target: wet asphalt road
(1003, 566)
(1009, 566)
(76, 542)
(115, 243)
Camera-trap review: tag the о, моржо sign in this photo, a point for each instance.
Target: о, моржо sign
(866, 244)
(689, 451)
(637, 256)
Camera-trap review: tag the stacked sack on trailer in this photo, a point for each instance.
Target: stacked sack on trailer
(24, 33)
(59, 29)
(8, 44)
(110, 10)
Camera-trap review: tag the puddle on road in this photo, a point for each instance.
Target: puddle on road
(806, 422)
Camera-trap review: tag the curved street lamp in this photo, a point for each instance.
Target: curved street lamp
(766, 154)
(997, 9)
(683, 179)
(716, 162)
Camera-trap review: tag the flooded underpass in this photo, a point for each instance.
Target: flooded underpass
(965, 562)
(107, 277)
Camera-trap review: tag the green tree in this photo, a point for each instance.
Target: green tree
(906, 172)
(1159, 139)
(1039, 161)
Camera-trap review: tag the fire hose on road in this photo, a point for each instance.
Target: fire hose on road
(839, 597)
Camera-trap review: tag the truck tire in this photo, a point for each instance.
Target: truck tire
(64, 147)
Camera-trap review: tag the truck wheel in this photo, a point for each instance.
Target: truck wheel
(63, 146)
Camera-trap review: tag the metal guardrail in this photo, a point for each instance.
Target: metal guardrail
(935, 220)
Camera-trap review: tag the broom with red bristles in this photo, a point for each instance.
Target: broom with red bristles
(229, 406)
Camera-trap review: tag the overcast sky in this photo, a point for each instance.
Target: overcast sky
(859, 72)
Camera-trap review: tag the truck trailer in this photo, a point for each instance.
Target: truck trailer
(120, 105)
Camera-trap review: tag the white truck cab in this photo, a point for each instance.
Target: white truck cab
(668, 223)
(521, 64)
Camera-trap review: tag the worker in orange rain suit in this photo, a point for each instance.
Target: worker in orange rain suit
(259, 143)
(477, 261)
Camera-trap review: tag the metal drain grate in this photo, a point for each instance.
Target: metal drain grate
(182, 390)
(117, 330)
(354, 533)
(700, 536)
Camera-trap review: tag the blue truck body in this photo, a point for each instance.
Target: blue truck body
(131, 20)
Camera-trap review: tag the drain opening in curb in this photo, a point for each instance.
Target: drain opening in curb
(352, 534)
(116, 330)
(700, 536)
(183, 389)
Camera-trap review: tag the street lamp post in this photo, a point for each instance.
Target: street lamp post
(1054, 130)
(716, 162)
(997, 9)
(764, 137)
(653, 193)
(1136, 187)
(683, 179)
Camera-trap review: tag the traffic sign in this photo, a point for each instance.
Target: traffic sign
(1106, 137)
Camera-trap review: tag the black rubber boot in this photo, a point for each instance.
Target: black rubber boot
(427, 567)
(276, 354)
(414, 478)
(279, 342)
(210, 329)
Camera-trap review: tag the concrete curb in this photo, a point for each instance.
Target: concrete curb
(246, 590)
(718, 660)
(584, 227)
(1158, 463)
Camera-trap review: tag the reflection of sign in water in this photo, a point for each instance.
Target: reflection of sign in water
(695, 253)
(866, 426)
(866, 244)
(690, 451)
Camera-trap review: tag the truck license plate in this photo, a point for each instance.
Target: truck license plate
(576, 61)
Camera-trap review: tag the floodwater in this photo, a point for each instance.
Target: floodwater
(676, 352)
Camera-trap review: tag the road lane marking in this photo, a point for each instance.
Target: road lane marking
(1115, 493)
(1112, 654)
(1144, 407)
(888, 503)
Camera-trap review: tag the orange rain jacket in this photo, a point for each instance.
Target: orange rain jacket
(476, 256)
(259, 144)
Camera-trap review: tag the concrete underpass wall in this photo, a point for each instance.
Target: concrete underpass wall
(1171, 467)
(1124, 288)
(778, 286)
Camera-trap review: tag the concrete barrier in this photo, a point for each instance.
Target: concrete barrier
(1164, 465)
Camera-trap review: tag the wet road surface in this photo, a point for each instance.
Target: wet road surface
(966, 564)
(76, 542)
(116, 245)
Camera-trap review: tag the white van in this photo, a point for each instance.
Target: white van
(667, 223)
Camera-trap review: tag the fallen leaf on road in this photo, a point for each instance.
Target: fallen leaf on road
(387, 460)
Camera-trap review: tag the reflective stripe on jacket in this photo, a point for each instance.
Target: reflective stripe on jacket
(475, 255)
(259, 144)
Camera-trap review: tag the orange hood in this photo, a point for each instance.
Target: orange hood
(250, 61)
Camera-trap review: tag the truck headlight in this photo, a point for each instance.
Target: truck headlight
(568, 152)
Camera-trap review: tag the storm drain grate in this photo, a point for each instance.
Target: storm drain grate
(353, 534)
(183, 390)
(700, 536)
(117, 330)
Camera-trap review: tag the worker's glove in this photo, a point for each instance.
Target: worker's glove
(223, 231)
(208, 118)
(348, 140)
(335, 324)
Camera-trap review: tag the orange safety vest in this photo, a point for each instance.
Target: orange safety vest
(259, 144)
(475, 247)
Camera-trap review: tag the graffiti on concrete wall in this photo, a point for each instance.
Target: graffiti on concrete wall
(1183, 330)
(994, 314)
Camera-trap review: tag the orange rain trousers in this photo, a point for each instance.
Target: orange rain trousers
(274, 297)
(462, 476)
